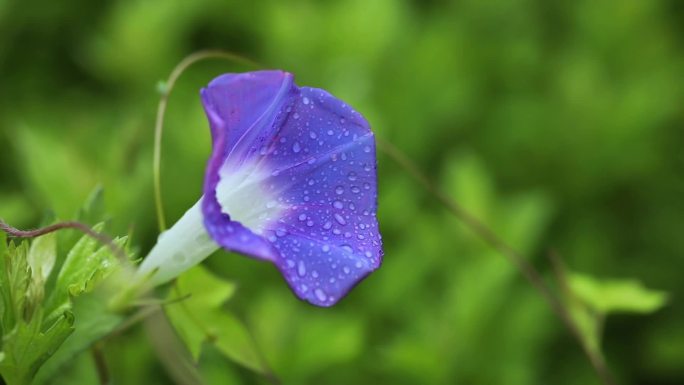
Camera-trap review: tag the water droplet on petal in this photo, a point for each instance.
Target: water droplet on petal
(339, 190)
(338, 204)
(325, 248)
(305, 100)
(320, 294)
(340, 219)
(301, 268)
(296, 148)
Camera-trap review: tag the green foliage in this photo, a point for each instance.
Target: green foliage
(615, 295)
(93, 320)
(28, 338)
(590, 300)
(200, 318)
(35, 323)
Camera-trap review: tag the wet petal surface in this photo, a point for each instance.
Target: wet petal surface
(293, 183)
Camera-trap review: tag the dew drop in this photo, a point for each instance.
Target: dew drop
(280, 232)
(302, 217)
(312, 135)
(338, 204)
(352, 176)
(296, 116)
(296, 148)
(305, 100)
(325, 248)
(320, 294)
(339, 190)
(340, 219)
(301, 268)
(327, 225)
(178, 258)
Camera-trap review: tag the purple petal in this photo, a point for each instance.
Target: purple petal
(298, 181)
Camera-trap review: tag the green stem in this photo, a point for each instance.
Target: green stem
(161, 112)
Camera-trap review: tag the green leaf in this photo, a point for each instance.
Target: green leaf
(92, 321)
(93, 210)
(83, 268)
(27, 347)
(200, 318)
(612, 295)
(14, 284)
(42, 256)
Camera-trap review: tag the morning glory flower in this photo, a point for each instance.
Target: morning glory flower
(291, 180)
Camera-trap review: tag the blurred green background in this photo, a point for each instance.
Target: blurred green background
(559, 124)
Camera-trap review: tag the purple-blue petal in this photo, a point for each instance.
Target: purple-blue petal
(320, 154)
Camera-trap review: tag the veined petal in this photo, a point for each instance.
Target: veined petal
(296, 185)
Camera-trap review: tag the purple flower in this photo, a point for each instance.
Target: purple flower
(291, 180)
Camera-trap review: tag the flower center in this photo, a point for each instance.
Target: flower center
(243, 195)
